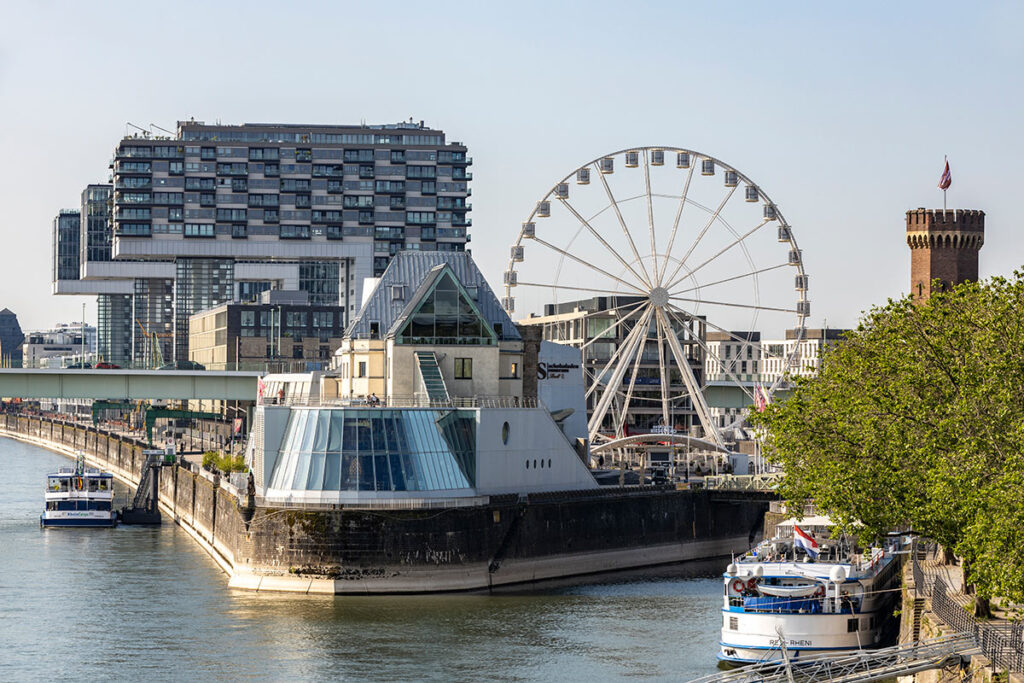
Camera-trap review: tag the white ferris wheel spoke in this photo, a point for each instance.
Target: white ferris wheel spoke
(730, 279)
(604, 335)
(735, 337)
(650, 218)
(700, 236)
(588, 265)
(753, 307)
(732, 244)
(679, 214)
(611, 390)
(622, 222)
(597, 235)
(549, 285)
(718, 358)
(690, 381)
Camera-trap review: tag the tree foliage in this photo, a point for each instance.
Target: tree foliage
(916, 419)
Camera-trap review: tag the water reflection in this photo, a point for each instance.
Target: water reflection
(147, 602)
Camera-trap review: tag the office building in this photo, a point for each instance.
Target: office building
(283, 332)
(221, 213)
(53, 348)
(597, 327)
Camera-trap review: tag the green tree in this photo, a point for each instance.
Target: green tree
(917, 419)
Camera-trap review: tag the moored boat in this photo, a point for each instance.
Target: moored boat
(79, 496)
(804, 594)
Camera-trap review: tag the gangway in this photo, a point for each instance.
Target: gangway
(144, 508)
(865, 665)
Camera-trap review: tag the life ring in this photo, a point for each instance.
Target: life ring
(738, 585)
(820, 592)
(752, 584)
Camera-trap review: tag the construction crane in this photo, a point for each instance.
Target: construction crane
(154, 352)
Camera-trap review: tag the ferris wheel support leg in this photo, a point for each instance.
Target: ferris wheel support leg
(613, 385)
(696, 397)
(632, 380)
(665, 375)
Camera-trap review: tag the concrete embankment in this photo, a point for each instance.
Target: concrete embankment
(506, 541)
(198, 501)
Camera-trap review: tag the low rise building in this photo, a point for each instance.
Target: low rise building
(282, 332)
(59, 346)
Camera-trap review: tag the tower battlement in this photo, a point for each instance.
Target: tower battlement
(944, 245)
(964, 220)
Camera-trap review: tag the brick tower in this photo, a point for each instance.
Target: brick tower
(944, 246)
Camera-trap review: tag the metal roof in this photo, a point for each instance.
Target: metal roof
(409, 269)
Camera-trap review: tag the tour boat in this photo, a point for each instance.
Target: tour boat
(79, 496)
(804, 594)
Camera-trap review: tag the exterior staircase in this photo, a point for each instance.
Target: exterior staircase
(430, 373)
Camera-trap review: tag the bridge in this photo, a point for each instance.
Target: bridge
(129, 385)
(865, 665)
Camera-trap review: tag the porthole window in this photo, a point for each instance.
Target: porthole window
(535, 464)
(549, 463)
(527, 464)
(504, 433)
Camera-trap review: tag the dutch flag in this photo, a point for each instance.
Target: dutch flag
(801, 539)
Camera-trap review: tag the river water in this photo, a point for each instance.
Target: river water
(149, 604)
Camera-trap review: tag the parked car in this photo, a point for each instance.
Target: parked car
(182, 365)
(104, 365)
(79, 366)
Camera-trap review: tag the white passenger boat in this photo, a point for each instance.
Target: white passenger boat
(79, 496)
(804, 594)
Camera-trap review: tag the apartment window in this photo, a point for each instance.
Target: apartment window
(463, 368)
(199, 230)
(361, 369)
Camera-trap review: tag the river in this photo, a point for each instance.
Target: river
(149, 604)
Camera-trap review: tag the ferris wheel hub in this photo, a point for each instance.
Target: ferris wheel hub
(658, 297)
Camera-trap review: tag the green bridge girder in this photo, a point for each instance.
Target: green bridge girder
(128, 385)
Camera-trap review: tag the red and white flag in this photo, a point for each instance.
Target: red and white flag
(947, 179)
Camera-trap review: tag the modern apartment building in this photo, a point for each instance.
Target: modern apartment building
(220, 213)
(66, 256)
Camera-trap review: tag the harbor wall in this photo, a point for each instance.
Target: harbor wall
(511, 540)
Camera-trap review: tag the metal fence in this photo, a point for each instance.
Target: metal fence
(1003, 644)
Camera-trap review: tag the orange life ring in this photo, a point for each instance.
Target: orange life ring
(738, 585)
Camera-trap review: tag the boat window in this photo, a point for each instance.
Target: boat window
(65, 484)
(851, 625)
(94, 485)
(104, 484)
(53, 484)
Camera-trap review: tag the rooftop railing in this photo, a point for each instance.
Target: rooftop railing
(415, 401)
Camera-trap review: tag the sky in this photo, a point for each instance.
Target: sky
(843, 112)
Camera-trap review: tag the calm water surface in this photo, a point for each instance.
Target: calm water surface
(147, 603)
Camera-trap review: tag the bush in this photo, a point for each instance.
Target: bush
(212, 460)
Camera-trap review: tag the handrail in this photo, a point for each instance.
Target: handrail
(415, 401)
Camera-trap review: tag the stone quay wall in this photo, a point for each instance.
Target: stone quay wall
(508, 541)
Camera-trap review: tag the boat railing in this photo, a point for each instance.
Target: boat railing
(785, 605)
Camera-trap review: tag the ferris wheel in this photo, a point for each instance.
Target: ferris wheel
(663, 265)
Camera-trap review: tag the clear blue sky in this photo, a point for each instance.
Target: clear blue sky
(841, 111)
